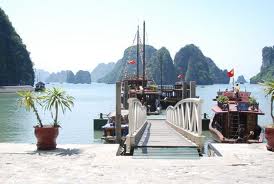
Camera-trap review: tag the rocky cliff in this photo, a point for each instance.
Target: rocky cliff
(101, 70)
(267, 69)
(122, 67)
(241, 79)
(191, 62)
(16, 67)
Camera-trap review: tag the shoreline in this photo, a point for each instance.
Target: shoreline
(15, 89)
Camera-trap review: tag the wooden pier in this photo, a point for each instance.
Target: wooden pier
(159, 134)
(178, 134)
(160, 140)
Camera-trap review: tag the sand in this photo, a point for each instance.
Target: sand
(21, 163)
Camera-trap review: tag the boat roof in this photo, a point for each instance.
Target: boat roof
(233, 108)
(123, 113)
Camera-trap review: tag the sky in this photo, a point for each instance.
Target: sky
(79, 34)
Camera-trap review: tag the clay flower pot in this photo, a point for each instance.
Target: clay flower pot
(269, 135)
(46, 137)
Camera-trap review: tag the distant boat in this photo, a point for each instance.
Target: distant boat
(40, 86)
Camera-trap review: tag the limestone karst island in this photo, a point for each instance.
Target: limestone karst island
(136, 92)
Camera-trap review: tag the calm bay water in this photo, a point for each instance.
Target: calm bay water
(16, 125)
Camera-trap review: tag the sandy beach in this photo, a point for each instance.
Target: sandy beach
(95, 163)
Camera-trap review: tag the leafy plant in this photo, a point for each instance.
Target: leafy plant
(57, 98)
(252, 101)
(222, 99)
(269, 90)
(29, 100)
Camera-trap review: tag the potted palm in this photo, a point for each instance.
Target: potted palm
(223, 102)
(269, 130)
(53, 100)
(253, 103)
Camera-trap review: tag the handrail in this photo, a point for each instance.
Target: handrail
(137, 115)
(137, 118)
(186, 115)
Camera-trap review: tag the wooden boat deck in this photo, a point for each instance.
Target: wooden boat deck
(159, 134)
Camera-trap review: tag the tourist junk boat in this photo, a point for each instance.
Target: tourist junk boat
(236, 121)
(140, 87)
(134, 86)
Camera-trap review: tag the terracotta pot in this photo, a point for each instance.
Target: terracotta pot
(269, 135)
(46, 137)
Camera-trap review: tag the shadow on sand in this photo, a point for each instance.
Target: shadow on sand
(58, 152)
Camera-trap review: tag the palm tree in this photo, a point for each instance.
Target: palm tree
(269, 90)
(57, 98)
(28, 99)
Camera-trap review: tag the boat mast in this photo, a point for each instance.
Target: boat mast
(144, 55)
(137, 53)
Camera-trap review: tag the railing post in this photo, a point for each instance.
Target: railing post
(199, 116)
(192, 89)
(118, 113)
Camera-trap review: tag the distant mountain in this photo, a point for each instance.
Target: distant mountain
(218, 76)
(101, 70)
(191, 62)
(168, 70)
(41, 75)
(59, 76)
(267, 69)
(82, 77)
(241, 79)
(122, 67)
(69, 77)
(16, 67)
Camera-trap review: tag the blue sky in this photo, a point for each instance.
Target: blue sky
(79, 34)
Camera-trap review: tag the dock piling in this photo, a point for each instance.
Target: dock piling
(118, 113)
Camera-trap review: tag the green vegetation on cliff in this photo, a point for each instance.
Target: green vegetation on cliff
(168, 70)
(191, 62)
(16, 67)
(267, 68)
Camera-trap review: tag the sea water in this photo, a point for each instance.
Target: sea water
(16, 125)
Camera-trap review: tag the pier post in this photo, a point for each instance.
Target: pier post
(125, 103)
(118, 113)
(184, 92)
(192, 89)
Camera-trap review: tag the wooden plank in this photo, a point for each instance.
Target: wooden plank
(159, 134)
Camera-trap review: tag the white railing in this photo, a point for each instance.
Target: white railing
(137, 117)
(186, 114)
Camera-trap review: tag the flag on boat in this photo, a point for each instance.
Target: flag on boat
(230, 73)
(181, 76)
(132, 62)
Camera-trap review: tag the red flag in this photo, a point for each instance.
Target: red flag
(181, 76)
(230, 73)
(132, 62)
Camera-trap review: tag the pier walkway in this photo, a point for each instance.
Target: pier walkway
(174, 135)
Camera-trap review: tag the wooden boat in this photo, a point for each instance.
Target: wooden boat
(141, 87)
(40, 86)
(109, 127)
(236, 121)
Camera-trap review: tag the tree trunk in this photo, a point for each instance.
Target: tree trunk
(56, 115)
(37, 116)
